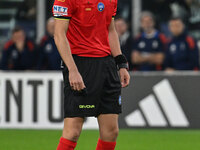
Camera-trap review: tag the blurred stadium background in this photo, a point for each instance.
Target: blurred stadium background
(161, 105)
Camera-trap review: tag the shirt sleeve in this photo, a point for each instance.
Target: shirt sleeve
(115, 9)
(63, 9)
(162, 43)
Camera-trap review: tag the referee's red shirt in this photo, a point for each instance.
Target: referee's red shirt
(89, 23)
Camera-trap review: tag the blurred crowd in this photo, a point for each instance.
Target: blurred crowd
(20, 53)
(187, 10)
(151, 50)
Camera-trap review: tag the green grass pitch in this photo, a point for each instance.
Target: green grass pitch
(128, 140)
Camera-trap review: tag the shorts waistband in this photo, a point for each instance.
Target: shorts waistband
(95, 58)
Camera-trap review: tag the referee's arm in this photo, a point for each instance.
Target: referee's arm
(61, 27)
(114, 40)
(116, 51)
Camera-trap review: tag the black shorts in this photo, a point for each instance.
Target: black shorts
(103, 88)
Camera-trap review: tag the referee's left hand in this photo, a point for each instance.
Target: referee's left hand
(124, 77)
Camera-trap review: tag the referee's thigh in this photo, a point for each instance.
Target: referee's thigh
(108, 127)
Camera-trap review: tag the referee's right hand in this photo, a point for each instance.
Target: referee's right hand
(76, 80)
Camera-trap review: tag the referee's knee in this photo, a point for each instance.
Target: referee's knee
(72, 135)
(109, 134)
(114, 133)
(72, 128)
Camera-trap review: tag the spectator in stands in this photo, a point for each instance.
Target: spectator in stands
(18, 53)
(49, 57)
(149, 47)
(125, 38)
(164, 9)
(182, 52)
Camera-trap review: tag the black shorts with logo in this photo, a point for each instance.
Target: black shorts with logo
(103, 88)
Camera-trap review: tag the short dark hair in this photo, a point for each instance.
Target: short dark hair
(17, 29)
(176, 19)
(147, 14)
(121, 18)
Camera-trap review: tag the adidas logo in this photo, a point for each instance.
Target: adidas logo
(160, 109)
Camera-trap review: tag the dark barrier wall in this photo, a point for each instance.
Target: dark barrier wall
(158, 100)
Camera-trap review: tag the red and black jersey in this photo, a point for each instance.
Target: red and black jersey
(89, 25)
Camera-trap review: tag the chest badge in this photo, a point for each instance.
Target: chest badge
(15, 54)
(101, 6)
(142, 45)
(173, 49)
(49, 48)
(155, 44)
(182, 46)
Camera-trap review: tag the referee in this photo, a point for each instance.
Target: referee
(92, 57)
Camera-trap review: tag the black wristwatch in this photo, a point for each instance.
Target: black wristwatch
(121, 62)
